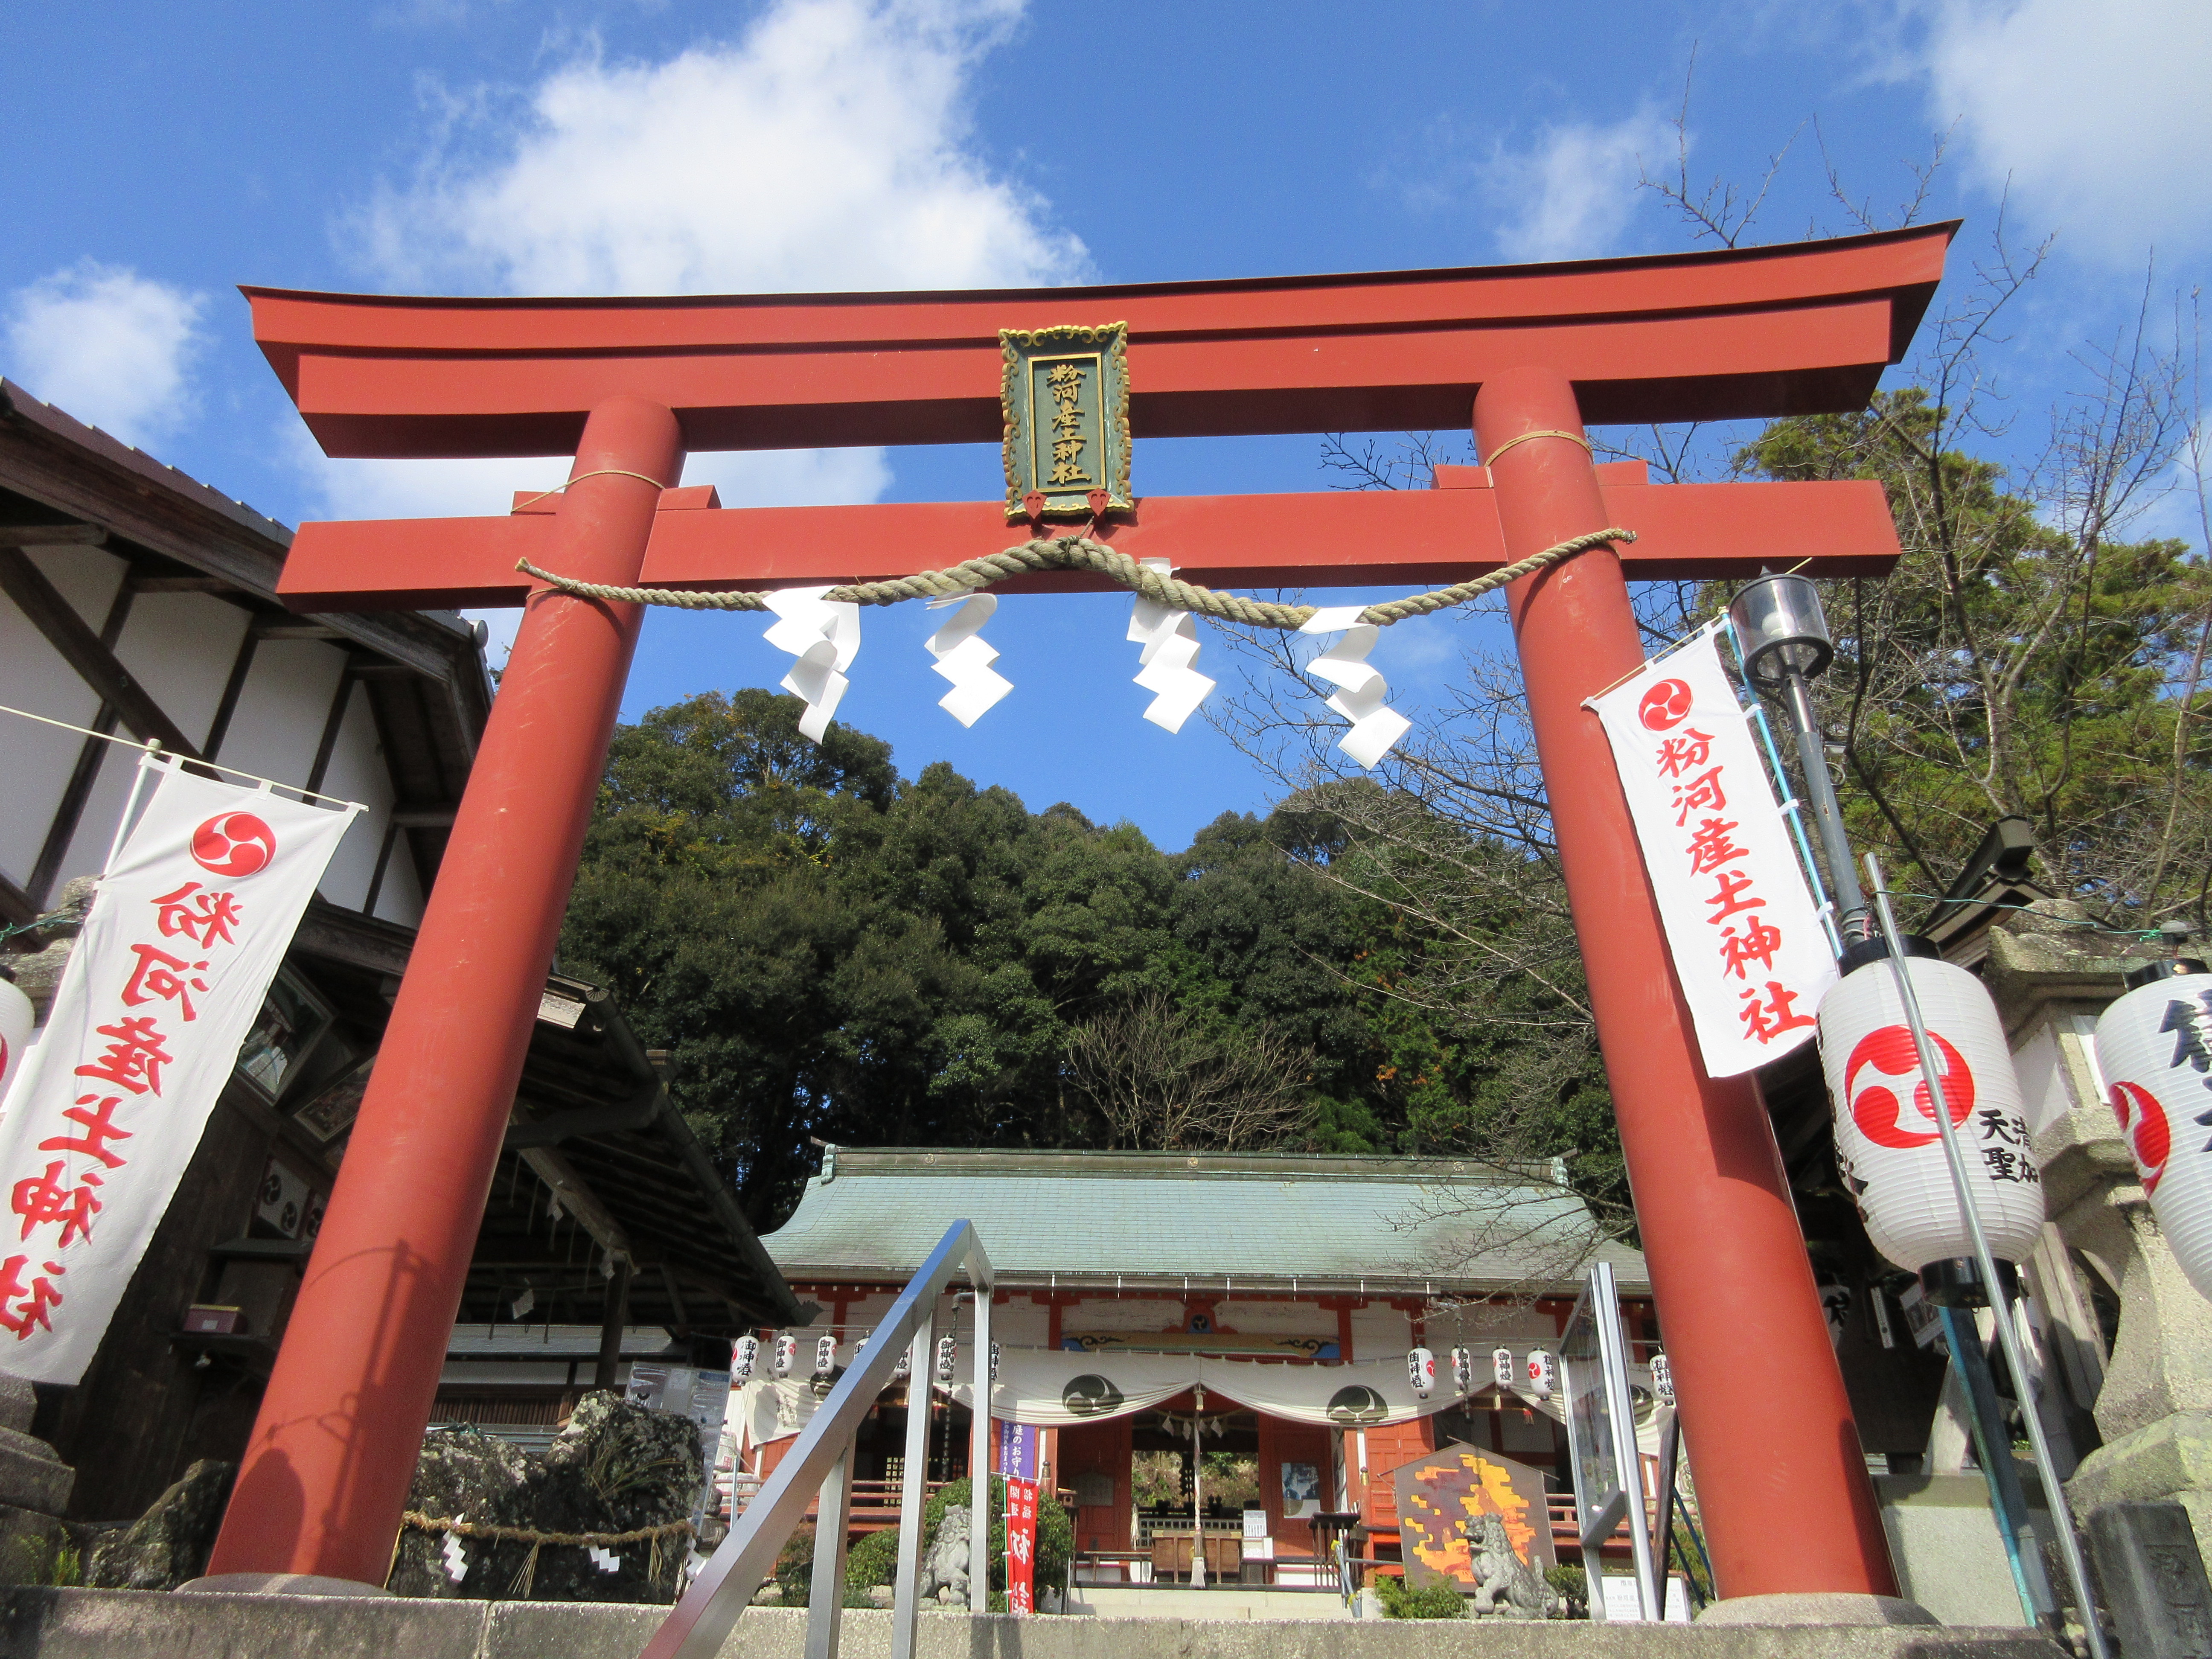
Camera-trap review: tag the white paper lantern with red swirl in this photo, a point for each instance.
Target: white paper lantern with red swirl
(17, 1021)
(1888, 1147)
(2155, 1048)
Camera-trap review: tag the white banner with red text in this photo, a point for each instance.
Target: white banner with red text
(1749, 952)
(185, 933)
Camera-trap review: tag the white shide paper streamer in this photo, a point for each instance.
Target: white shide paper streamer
(825, 638)
(1375, 727)
(965, 659)
(1169, 637)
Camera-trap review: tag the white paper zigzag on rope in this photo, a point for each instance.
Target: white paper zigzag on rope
(1375, 727)
(965, 659)
(825, 637)
(1169, 637)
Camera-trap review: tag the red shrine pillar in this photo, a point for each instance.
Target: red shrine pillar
(1780, 1480)
(326, 1472)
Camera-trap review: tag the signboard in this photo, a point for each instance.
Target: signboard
(702, 1395)
(1749, 952)
(1462, 1510)
(1017, 1450)
(1601, 1434)
(1021, 1546)
(195, 912)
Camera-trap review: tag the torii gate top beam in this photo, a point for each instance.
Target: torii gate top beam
(1740, 333)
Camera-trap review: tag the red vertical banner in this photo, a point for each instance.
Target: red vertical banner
(1021, 1546)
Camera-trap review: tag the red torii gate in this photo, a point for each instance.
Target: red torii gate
(628, 386)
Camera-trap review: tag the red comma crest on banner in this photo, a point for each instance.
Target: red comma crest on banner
(1890, 1052)
(2142, 1120)
(234, 844)
(1665, 705)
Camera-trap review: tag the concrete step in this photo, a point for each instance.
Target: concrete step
(87, 1624)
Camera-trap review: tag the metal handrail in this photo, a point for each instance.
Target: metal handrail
(821, 1462)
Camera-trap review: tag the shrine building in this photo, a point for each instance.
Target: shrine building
(1271, 1300)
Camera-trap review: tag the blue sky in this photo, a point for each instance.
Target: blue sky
(166, 153)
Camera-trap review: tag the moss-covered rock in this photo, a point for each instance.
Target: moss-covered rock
(616, 1467)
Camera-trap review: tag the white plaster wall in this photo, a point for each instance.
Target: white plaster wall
(180, 648)
(1378, 1333)
(278, 722)
(35, 761)
(1020, 1323)
(357, 773)
(1110, 1313)
(400, 898)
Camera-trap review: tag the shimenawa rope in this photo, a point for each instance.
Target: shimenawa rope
(1081, 553)
(528, 1575)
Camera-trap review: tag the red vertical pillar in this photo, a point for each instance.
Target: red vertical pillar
(1782, 1483)
(333, 1450)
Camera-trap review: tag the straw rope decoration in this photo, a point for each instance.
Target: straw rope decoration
(820, 627)
(1081, 553)
(657, 1536)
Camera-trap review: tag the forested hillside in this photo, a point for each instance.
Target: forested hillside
(832, 949)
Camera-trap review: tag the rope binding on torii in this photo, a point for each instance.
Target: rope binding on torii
(1080, 552)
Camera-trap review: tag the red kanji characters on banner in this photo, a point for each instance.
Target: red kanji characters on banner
(1757, 943)
(1678, 754)
(1729, 889)
(43, 1199)
(99, 1129)
(1767, 1017)
(148, 981)
(1700, 793)
(1710, 847)
(1021, 1546)
(205, 919)
(134, 1061)
(25, 1317)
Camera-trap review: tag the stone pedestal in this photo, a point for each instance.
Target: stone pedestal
(34, 1491)
(2153, 1401)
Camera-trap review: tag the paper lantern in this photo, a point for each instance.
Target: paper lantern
(994, 1362)
(904, 1369)
(825, 1356)
(1543, 1373)
(744, 1356)
(948, 1355)
(17, 1021)
(2155, 1048)
(786, 1352)
(1421, 1371)
(1502, 1369)
(1462, 1370)
(1662, 1380)
(1889, 1149)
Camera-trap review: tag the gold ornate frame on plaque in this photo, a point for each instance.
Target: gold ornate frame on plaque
(1066, 401)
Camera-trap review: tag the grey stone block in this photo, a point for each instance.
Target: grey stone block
(90, 1624)
(2153, 1580)
(1816, 1607)
(570, 1630)
(31, 1476)
(18, 1403)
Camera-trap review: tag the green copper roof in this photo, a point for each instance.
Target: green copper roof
(1156, 1219)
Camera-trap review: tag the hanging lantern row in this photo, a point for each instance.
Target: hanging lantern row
(2155, 1050)
(1889, 1148)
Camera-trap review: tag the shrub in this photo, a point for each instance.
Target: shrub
(1403, 1601)
(1573, 1586)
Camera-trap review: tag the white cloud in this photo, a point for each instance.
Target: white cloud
(827, 147)
(2097, 115)
(107, 345)
(1569, 195)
